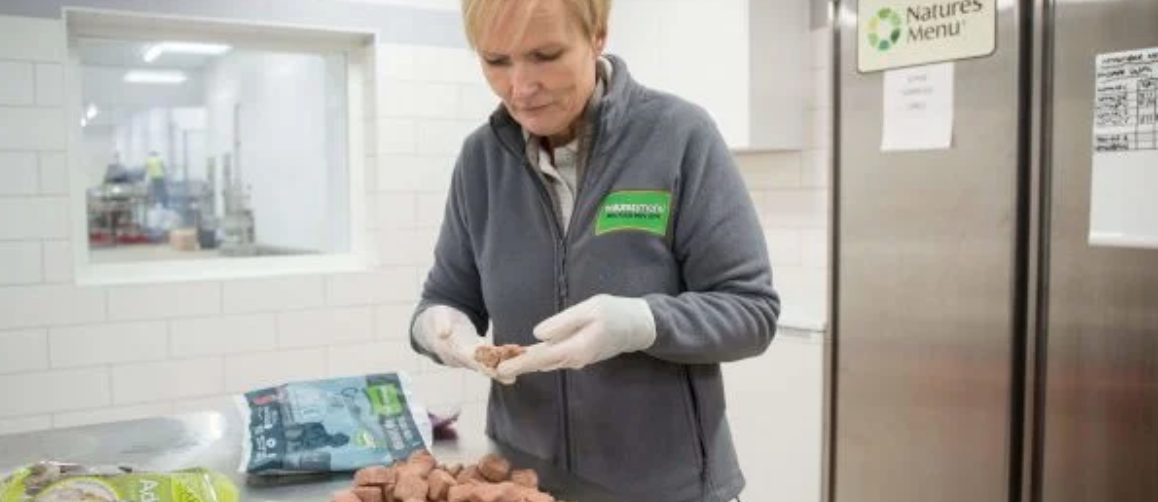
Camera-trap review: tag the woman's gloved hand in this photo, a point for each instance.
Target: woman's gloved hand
(599, 328)
(449, 334)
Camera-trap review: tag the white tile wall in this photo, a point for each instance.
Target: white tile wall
(397, 136)
(267, 295)
(431, 208)
(444, 387)
(439, 136)
(318, 328)
(167, 380)
(218, 403)
(392, 322)
(414, 173)
(164, 301)
(53, 173)
(397, 210)
(251, 371)
(31, 39)
(390, 284)
(23, 350)
(762, 171)
(32, 128)
(33, 306)
(412, 246)
(347, 360)
(17, 83)
(222, 335)
(477, 102)
(21, 262)
(49, 84)
(101, 344)
(58, 266)
(33, 217)
(104, 415)
(37, 393)
(19, 172)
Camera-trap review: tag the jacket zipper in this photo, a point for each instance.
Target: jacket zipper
(560, 243)
(561, 248)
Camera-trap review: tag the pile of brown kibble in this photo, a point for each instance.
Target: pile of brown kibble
(421, 479)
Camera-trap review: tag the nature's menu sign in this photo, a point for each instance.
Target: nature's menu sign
(898, 33)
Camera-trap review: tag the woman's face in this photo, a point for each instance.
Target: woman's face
(538, 61)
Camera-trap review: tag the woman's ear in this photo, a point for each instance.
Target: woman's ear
(599, 41)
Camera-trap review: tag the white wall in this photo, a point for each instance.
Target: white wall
(287, 153)
(775, 402)
(697, 49)
(742, 60)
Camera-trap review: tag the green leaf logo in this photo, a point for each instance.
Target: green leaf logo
(884, 29)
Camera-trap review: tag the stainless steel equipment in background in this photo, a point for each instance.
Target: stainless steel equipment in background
(237, 225)
(983, 350)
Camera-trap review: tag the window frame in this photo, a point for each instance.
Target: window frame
(358, 49)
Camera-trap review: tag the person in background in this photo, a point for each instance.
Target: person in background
(604, 226)
(155, 173)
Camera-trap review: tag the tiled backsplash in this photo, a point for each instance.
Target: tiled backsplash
(791, 191)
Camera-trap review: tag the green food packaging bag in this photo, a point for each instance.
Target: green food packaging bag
(59, 482)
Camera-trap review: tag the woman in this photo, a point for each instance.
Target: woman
(603, 226)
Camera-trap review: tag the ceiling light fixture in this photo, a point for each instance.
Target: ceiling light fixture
(154, 77)
(157, 49)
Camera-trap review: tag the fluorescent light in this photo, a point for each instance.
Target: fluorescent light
(83, 122)
(91, 112)
(156, 50)
(154, 77)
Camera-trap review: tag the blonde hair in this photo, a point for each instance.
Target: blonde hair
(592, 15)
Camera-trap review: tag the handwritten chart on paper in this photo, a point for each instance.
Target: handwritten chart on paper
(1123, 207)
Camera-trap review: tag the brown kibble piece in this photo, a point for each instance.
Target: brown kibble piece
(414, 500)
(460, 493)
(494, 468)
(370, 494)
(421, 462)
(501, 492)
(526, 478)
(468, 474)
(440, 482)
(490, 355)
(510, 351)
(411, 486)
(345, 496)
(376, 475)
(536, 496)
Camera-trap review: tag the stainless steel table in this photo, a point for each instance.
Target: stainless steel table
(213, 440)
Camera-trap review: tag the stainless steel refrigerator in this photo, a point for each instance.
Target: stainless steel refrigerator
(983, 350)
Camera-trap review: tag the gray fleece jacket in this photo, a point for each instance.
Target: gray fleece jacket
(663, 214)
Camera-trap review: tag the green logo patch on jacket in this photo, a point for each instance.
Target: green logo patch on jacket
(643, 210)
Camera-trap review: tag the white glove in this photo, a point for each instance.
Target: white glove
(450, 335)
(599, 328)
